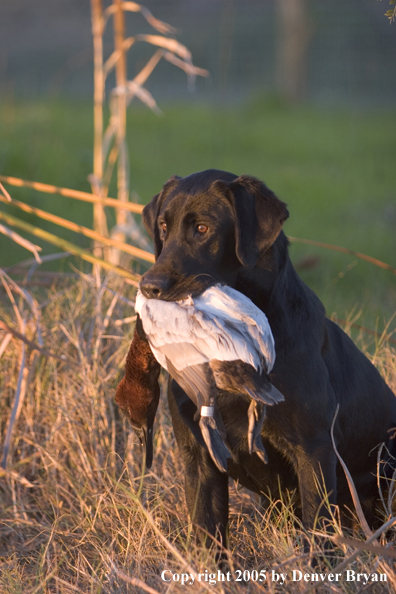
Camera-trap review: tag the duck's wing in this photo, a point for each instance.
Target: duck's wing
(238, 314)
(194, 381)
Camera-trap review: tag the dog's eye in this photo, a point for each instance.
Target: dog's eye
(163, 227)
(202, 229)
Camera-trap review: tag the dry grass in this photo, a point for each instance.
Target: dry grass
(76, 514)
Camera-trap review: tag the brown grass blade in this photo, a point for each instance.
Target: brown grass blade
(190, 69)
(134, 7)
(28, 245)
(337, 248)
(364, 329)
(99, 215)
(368, 532)
(364, 546)
(145, 72)
(115, 56)
(15, 307)
(351, 484)
(69, 193)
(135, 90)
(10, 285)
(172, 548)
(32, 262)
(16, 477)
(121, 79)
(133, 580)
(68, 246)
(7, 338)
(170, 44)
(111, 161)
(129, 249)
(68, 585)
(110, 131)
(32, 345)
(5, 193)
(18, 400)
(341, 566)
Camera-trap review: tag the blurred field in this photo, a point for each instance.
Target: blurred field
(74, 508)
(335, 169)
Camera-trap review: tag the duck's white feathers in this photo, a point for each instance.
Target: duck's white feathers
(220, 324)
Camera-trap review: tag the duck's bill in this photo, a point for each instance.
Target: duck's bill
(145, 436)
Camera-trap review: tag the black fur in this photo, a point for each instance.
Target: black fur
(317, 365)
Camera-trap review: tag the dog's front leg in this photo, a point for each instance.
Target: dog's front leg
(206, 488)
(207, 499)
(316, 471)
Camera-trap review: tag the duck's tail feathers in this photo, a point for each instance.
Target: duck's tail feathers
(267, 394)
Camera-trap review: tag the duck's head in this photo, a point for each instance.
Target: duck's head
(138, 393)
(139, 401)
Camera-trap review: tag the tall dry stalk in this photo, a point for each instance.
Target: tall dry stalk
(110, 146)
(120, 145)
(121, 79)
(99, 217)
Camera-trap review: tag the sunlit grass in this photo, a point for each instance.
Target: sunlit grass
(74, 508)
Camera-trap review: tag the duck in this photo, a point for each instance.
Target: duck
(218, 340)
(138, 393)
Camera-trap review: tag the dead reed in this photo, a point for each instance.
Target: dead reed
(110, 146)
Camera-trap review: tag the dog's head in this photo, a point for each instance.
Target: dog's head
(206, 227)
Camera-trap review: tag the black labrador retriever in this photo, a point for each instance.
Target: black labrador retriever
(214, 227)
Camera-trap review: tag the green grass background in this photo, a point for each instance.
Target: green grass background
(335, 169)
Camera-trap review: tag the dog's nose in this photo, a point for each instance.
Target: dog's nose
(154, 286)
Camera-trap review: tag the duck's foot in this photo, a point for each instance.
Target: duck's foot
(213, 440)
(256, 415)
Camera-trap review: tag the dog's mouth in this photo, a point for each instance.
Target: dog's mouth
(182, 289)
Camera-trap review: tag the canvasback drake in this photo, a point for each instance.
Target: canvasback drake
(218, 340)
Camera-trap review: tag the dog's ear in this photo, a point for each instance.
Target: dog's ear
(150, 214)
(259, 216)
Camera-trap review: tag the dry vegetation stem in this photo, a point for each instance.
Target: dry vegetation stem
(129, 249)
(67, 246)
(69, 193)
